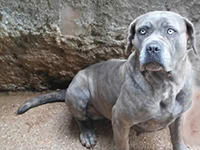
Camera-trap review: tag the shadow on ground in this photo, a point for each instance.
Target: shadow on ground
(51, 127)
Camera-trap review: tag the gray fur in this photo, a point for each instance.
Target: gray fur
(149, 91)
(58, 96)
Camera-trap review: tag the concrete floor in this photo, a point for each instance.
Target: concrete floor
(51, 127)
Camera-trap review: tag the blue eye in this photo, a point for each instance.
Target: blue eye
(170, 31)
(143, 31)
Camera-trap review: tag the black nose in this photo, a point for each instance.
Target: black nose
(153, 48)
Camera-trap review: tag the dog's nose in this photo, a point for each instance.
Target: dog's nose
(153, 48)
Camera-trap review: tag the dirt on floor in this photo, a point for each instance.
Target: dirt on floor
(51, 127)
(191, 123)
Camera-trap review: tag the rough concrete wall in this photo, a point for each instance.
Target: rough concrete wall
(43, 43)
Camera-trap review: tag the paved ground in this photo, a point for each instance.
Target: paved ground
(50, 127)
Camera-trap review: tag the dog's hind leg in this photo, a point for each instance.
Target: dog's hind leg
(77, 99)
(87, 135)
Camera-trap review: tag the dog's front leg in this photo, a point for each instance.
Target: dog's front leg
(175, 132)
(120, 130)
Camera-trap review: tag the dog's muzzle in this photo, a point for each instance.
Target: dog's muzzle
(152, 61)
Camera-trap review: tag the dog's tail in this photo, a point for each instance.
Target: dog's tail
(58, 96)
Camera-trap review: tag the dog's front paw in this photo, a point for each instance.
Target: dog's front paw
(184, 147)
(88, 138)
(181, 146)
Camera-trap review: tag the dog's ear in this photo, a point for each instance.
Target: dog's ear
(191, 35)
(131, 34)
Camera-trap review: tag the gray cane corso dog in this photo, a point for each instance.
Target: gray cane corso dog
(149, 91)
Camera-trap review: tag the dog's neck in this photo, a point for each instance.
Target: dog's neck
(157, 78)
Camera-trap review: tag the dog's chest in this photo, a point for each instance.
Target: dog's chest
(166, 93)
(165, 109)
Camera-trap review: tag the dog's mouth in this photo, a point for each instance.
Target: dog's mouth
(153, 66)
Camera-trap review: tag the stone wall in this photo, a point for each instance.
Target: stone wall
(44, 43)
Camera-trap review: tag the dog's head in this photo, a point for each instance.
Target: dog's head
(161, 40)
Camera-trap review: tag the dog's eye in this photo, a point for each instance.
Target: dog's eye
(142, 31)
(170, 31)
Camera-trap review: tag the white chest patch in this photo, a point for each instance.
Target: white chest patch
(166, 94)
(170, 91)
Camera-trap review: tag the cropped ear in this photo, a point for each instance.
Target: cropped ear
(131, 34)
(191, 35)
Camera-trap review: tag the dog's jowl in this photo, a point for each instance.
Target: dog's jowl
(149, 91)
